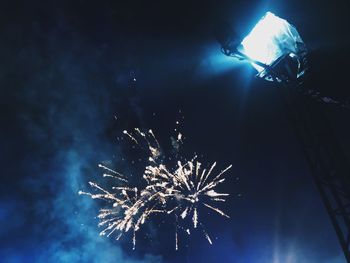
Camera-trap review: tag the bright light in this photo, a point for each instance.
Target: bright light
(271, 38)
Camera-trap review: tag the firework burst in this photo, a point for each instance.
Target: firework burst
(179, 191)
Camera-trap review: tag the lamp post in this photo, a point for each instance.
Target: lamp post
(276, 50)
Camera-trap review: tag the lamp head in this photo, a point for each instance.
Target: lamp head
(273, 47)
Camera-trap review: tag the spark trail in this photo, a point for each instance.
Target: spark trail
(180, 190)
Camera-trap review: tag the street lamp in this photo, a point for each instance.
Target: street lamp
(273, 47)
(276, 50)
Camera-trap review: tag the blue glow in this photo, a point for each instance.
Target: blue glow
(215, 63)
(271, 38)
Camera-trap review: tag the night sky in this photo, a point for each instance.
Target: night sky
(75, 74)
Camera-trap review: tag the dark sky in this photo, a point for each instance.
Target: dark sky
(67, 68)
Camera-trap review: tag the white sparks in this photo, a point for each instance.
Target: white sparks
(176, 241)
(216, 210)
(195, 218)
(129, 207)
(208, 238)
(130, 136)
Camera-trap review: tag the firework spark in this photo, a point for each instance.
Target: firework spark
(180, 191)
